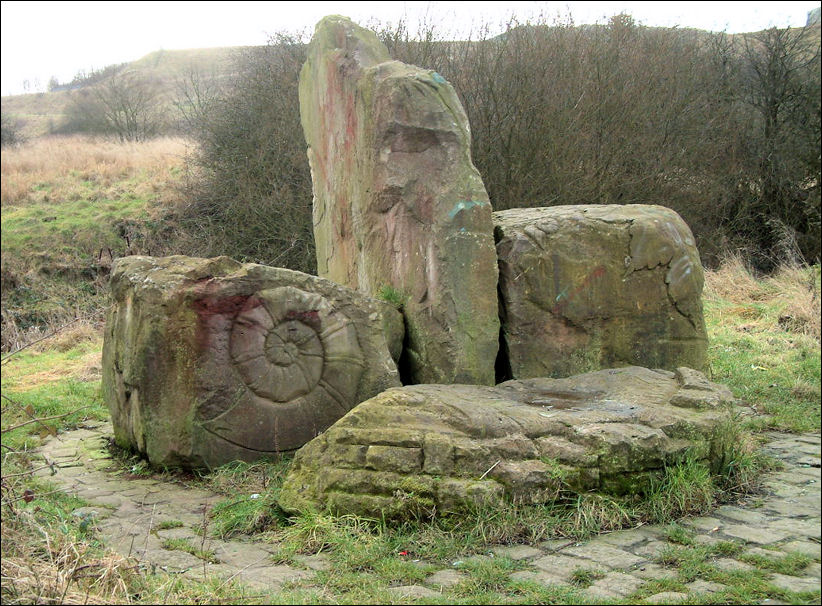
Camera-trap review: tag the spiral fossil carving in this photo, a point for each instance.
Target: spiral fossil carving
(294, 343)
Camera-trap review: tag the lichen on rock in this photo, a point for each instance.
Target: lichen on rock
(397, 200)
(209, 360)
(416, 449)
(590, 287)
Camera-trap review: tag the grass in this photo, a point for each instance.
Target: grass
(251, 507)
(764, 336)
(367, 557)
(764, 344)
(185, 545)
(693, 562)
(68, 207)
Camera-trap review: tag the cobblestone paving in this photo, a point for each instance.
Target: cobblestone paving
(130, 514)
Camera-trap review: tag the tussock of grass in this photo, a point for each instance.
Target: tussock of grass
(788, 299)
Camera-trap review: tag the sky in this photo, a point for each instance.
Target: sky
(41, 40)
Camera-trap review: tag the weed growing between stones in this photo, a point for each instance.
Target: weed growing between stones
(391, 295)
(252, 489)
(790, 564)
(584, 577)
(691, 563)
(679, 535)
(185, 545)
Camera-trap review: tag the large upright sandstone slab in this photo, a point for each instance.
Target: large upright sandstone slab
(416, 449)
(397, 200)
(589, 287)
(210, 360)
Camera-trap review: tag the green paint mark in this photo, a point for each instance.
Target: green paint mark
(438, 78)
(464, 205)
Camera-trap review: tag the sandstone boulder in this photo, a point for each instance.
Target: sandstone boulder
(210, 360)
(397, 201)
(412, 449)
(589, 287)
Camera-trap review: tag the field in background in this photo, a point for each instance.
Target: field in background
(69, 206)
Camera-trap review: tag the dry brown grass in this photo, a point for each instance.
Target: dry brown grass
(44, 566)
(53, 169)
(794, 290)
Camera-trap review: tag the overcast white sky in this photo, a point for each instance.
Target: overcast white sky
(44, 39)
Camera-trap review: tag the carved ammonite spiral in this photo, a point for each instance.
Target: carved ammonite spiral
(287, 343)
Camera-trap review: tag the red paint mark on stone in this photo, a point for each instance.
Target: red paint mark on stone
(597, 273)
(215, 315)
(225, 306)
(311, 317)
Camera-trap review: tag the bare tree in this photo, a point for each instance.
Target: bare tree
(125, 105)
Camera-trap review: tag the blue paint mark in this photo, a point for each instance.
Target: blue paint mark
(438, 78)
(464, 205)
(562, 294)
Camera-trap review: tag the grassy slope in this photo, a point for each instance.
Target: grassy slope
(67, 206)
(39, 112)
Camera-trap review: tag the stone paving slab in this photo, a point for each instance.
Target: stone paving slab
(128, 510)
(665, 597)
(518, 552)
(615, 585)
(605, 555)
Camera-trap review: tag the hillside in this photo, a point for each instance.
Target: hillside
(39, 114)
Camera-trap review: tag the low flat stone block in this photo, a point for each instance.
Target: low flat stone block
(314, 562)
(543, 577)
(702, 586)
(731, 565)
(763, 536)
(486, 442)
(414, 592)
(628, 538)
(746, 516)
(615, 584)
(812, 549)
(443, 579)
(666, 597)
(518, 552)
(562, 566)
(606, 555)
(652, 571)
(651, 549)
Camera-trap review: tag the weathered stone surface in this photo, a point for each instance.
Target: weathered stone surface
(590, 287)
(413, 448)
(398, 202)
(209, 360)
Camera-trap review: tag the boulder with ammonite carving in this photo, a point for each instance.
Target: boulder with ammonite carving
(209, 360)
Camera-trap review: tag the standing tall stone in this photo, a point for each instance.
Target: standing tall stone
(397, 201)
